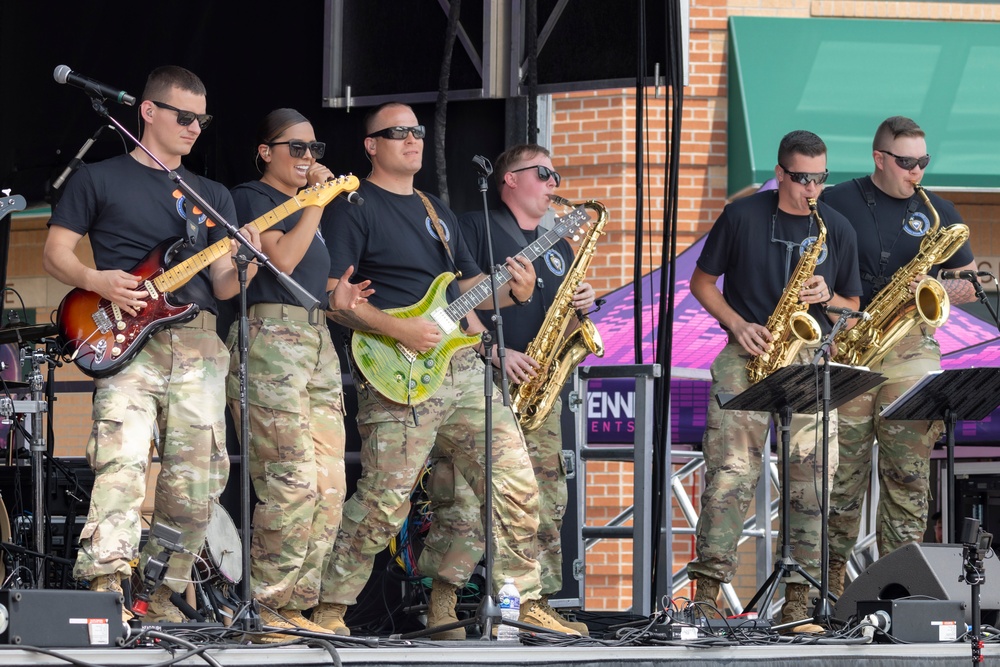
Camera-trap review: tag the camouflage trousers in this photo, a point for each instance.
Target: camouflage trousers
(393, 455)
(174, 387)
(455, 504)
(295, 396)
(733, 445)
(904, 450)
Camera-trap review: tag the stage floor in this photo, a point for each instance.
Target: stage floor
(393, 653)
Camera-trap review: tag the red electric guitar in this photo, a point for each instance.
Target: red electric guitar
(102, 338)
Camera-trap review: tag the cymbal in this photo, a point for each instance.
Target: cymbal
(27, 332)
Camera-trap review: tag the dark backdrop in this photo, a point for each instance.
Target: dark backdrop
(254, 56)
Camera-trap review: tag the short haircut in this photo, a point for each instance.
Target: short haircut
(162, 79)
(893, 128)
(800, 142)
(277, 122)
(371, 115)
(511, 156)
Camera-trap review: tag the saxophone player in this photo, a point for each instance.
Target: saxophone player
(755, 243)
(526, 178)
(891, 222)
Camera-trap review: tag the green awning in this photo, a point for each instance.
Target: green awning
(840, 78)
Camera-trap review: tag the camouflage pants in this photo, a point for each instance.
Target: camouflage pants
(904, 450)
(455, 504)
(733, 445)
(175, 387)
(296, 413)
(393, 455)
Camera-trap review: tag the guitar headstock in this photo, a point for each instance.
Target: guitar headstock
(10, 203)
(322, 194)
(569, 225)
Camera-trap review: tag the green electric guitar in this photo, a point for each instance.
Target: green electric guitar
(409, 377)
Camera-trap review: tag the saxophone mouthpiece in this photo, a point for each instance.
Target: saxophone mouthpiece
(556, 199)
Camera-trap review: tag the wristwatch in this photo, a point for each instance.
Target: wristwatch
(518, 302)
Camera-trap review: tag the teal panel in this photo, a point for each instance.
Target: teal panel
(840, 78)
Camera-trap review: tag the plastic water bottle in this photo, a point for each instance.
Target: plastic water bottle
(510, 610)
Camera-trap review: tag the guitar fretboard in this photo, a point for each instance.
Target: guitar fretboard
(463, 304)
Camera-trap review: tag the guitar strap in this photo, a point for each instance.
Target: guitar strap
(438, 229)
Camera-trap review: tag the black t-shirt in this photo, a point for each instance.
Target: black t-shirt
(892, 226)
(521, 323)
(390, 240)
(253, 200)
(127, 209)
(757, 268)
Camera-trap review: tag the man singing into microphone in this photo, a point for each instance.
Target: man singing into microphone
(756, 244)
(891, 221)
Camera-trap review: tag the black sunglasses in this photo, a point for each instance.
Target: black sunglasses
(803, 177)
(185, 118)
(543, 172)
(298, 148)
(908, 163)
(400, 132)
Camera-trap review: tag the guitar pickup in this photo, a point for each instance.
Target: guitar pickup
(102, 321)
(153, 292)
(446, 323)
(410, 355)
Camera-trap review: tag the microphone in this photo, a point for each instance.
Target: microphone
(78, 160)
(963, 275)
(853, 314)
(482, 165)
(63, 74)
(353, 198)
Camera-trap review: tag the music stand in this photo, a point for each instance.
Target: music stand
(786, 391)
(949, 395)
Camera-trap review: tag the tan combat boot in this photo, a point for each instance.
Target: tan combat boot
(330, 616)
(573, 625)
(706, 591)
(536, 613)
(796, 608)
(441, 611)
(161, 609)
(838, 574)
(112, 583)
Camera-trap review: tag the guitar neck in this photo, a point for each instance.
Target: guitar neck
(484, 288)
(177, 277)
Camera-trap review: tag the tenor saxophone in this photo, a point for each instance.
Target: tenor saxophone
(894, 310)
(790, 324)
(556, 352)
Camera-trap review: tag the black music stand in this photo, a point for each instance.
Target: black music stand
(949, 395)
(786, 391)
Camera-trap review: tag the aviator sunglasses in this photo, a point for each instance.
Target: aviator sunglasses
(803, 177)
(543, 172)
(908, 163)
(185, 118)
(298, 148)
(400, 132)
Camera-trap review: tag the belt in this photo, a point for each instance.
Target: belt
(203, 320)
(284, 311)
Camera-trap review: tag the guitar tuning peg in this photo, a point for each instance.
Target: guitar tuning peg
(6, 192)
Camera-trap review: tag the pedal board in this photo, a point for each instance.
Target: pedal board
(65, 619)
(719, 627)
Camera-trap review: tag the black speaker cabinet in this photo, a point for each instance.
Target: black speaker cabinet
(929, 570)
(70, 619)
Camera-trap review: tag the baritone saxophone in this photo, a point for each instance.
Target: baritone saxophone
(557, 352)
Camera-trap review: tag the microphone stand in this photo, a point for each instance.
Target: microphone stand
(981, 296)
(823, 613)
(488, 613)
(248, 617)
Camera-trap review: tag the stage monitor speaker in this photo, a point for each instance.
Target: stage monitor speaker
(928, 570)
(68, 619)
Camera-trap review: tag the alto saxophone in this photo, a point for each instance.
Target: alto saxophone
(790, 324)
(556, 353)
(894, 311)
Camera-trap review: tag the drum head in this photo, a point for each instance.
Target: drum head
(224, 546)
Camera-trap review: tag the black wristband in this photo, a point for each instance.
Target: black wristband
(518, 302)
